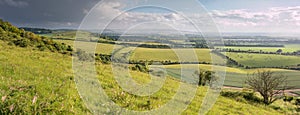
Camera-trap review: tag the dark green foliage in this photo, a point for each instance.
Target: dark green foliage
(297, 101)
(141, 67)
(288, 98)
(37, 30)
(21, 38)
(105, 59)
(242, 96)
(205, 77)
(154, 46)
(22, 42)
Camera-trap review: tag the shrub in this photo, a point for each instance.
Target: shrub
(248, 96)
(297, 101)
(22, 42)
(288, 98)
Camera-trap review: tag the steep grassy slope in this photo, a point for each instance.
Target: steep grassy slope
(35, 82)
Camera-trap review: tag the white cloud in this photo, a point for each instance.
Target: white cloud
(14, 3)
(277, 19)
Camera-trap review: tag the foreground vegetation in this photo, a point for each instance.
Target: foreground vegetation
(35, 82)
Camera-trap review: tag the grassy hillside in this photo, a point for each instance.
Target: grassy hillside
(27, 75)
(132, 102)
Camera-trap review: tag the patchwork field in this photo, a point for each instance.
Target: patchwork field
(264, 60)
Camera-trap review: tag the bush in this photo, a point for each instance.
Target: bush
(288, 98)
(297, 101)
(22, 42)
(248, 96)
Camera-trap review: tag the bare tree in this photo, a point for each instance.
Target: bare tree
(267, 84)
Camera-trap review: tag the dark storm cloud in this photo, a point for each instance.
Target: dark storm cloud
(45, 13)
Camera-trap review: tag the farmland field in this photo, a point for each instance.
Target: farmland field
(174, 55)
(264, 60)
(234, 76)
(286, 48)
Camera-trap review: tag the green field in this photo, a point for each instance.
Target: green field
(184, 55)
(264, 60)
(286, 48)
(234, 77)
(222, 106)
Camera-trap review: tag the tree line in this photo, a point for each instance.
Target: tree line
(279, 51)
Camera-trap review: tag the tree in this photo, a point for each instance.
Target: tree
(267, 84)
(204, 77)
(279, 51)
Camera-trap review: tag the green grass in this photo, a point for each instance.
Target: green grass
(234, 76)
(264, 60)
(133, 102)
(287, 48)
(184, 55)
(26, 74)
(101, 48)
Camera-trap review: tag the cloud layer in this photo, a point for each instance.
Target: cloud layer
(15, 3)
(276, 19)
(69, 14)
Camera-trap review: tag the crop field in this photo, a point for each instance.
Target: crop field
(203, 55)
(287, 48)
(144, 54)
(234, 77)
(173, 55)
(264, 60)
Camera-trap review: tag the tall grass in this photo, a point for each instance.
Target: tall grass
(35, 82)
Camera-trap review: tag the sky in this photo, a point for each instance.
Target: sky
(260, 16)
